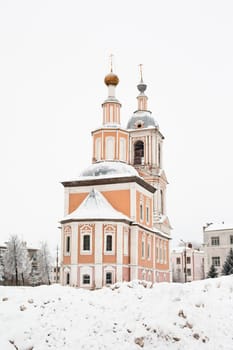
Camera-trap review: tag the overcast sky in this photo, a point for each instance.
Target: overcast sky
(53, 59)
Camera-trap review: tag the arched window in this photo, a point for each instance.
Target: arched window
(161, 202)
(110, 148)
(139, 152)
(98, 148)
(159, 155)
(122, 149)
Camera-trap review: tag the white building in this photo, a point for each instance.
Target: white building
(218, 240)
(187, 264)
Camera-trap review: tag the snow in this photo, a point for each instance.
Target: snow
(128, 316)
(106, 169)
(219, 226)
(95, 206)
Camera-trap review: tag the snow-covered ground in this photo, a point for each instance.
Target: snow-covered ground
(197, 315)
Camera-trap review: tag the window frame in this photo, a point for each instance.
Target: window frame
(215, 241)
(109, 231)
(111, 274)
(84, 281)
(216, 261)
(85, 233)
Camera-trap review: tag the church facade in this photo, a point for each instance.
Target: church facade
(115, 227)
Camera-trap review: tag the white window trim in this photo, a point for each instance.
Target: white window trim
(98, 148)
(111, 147)
(122, 156)
(86, 252)
(149, 249)
(109, 252)
(157, 251)
(111, 270)
(143, 251)
(66, 253)
(85, 271)
(147, 211)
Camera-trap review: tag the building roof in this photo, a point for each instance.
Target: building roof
(219, 227)
(95, 207)
(144, 118)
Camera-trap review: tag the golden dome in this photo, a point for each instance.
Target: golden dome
(111, 79)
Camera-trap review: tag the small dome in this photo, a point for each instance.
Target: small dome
(109, 169)
(142, 119)
(111, 79)
(142, 87)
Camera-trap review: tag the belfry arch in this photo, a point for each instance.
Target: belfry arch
(139, 153)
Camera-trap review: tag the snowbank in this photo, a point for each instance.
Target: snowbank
(128, 316)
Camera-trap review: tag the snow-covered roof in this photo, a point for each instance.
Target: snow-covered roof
(219, 227)
(95, 206)
(105, 169)
(144, 118)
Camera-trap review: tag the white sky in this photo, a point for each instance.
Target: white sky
(53, 59)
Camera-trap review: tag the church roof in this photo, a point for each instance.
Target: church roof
(142, 119)
(95, 206)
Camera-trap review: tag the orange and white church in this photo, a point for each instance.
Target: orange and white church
(115, 227)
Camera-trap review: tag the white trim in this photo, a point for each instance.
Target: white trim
(87, 270)
(112, 234)
(82, 234)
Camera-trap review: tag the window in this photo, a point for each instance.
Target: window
(110, 148)
(122, 149)
(216, 260)
(67, 244)
(159, 155)
(161, 202)
(178, 261)
(143, 248)
(188, 272)
(149, 250)
(157, 250)
(86, 279)
(67, 278)
(139, 153)
(214, 240)
(147, 214)
(141, 211)
(109, 243)
(108, 278)
(188, 259)
(109, 239)
(231, 239)
(86, 242)
(161, 251)
(98, 148)
(165, 253)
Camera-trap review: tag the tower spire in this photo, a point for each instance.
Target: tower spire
(111, 106)
(142, 98)
(140, 67)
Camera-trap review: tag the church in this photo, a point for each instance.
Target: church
(115, 226)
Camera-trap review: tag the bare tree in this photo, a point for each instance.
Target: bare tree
(44, 263)
(16, 260)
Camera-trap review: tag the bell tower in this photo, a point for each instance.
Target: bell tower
(110, 141)
(146, 154)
